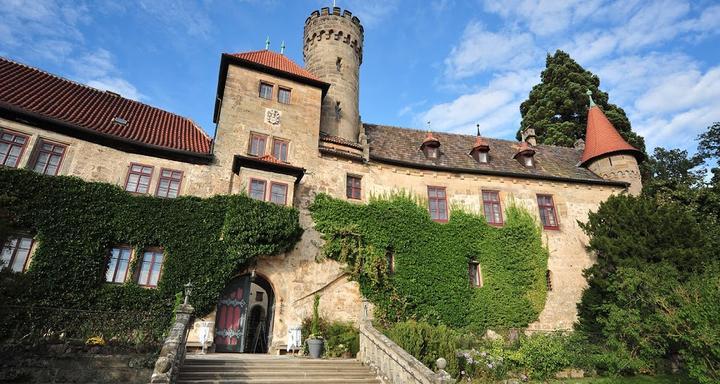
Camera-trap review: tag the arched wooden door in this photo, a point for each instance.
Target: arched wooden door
(231, 317)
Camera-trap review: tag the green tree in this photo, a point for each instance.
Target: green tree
(672, 171)
(709, 149)
(557, 107)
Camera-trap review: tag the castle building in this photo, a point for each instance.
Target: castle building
(287, 132)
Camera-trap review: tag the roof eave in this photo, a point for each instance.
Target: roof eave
(498, 173)
(635, 152)
(202, 157)
(227, 59)
(255, 163)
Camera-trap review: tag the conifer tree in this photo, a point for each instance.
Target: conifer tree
(557, 107)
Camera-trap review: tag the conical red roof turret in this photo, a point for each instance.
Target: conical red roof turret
(601, 137)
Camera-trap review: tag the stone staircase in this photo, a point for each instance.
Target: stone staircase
(268, 369)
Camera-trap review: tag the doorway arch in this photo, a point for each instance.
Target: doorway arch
(244, 316)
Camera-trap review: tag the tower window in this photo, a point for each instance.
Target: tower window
(437, 201)
(390, 260)
(338, 110)
(548, 215)
(257, 144)
(284, 95)
(280, 149)
(548, 280)
(338, 64)
(475, 274)
(266, 90)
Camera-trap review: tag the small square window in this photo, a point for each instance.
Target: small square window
(284, 95)
(259, 296)
(16, 252)
(266, 90)
(48, 158)
(354, 187)
(278, 193)
(169, 183)
(548, 215)
(117, 266)
(280, 149)
(12, 146)
(257, 144)
(138, 178)
(257, 189)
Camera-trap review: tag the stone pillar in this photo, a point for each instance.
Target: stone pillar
(172, 353)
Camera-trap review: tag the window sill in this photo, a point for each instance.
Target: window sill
(557, 228)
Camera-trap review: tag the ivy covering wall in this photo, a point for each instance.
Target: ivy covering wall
(205, 241)
(430, 279)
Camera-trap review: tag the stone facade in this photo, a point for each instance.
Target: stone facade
(296, 275)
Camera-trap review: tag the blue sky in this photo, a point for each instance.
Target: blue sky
(454, 63)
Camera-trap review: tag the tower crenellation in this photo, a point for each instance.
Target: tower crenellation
(332, 50)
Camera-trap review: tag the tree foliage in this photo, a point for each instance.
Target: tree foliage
(557, 107)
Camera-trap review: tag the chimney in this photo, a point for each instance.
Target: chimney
(528, 136)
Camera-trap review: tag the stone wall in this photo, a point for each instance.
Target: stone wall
(621, 167)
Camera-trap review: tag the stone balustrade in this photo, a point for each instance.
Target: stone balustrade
(393, 363)
(172, 353)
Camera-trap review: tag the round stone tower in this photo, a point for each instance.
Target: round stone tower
(332, 49)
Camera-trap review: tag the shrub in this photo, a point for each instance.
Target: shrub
(427, 342)
(340, 337)
(542, 355)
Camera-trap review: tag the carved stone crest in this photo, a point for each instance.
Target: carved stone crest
(272, 116)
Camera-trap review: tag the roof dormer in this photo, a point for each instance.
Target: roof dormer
(525, 155)
(480, 151)
(430, 146)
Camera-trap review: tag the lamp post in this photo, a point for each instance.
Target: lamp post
(188, 292)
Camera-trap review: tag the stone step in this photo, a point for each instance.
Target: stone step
(260, 368)
(264, 374)
(288, 380)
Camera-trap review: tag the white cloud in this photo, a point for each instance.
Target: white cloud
(494, 107)
(371, 12)
(481, 50)
(544, 17)
(97, 69)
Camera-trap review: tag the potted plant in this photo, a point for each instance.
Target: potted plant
(315, 340)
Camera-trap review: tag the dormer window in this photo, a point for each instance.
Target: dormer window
(525, 155)
(480, 150)
(430, 146)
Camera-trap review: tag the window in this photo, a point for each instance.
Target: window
(138, 179)
(527, 160)
(12, 146)
(257, 144)
(259, 296)
(390, 260)
(169, 183)
(284, 95)
(257, 189)
(266, 90)
(280, 149)
(48, 158)
(492, 208)
(547, 212)
(475, 274)
(438, 204)
(150, 268)
(117, 266)
(354, 188)
(278, 193)
(338, 64)
(15, 253)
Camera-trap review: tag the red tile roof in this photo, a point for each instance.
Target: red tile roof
(480, 143)
(24, 89)
(430, 140)
(602, 138)
(271, 159)
(276, 61)
(524, 148)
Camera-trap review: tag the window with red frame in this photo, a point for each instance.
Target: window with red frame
(118, 262)
(15, 252)
(354, 187)
(48, 158)
(278, 193)
(547, 212)
(266, 90)
(12, 146)
(169, 183)
(138, 179)
(284, 95)
(150, 268)
(492, 208)
(280, 149)
(437, 200)
(257, 144)
(475, 274)
(257, 189)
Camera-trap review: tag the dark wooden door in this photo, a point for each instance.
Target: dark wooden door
(231, 318)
